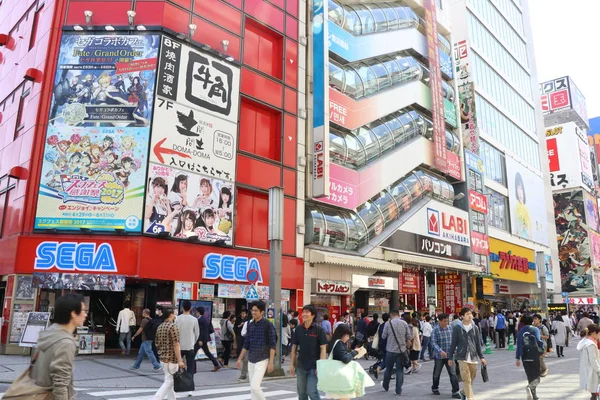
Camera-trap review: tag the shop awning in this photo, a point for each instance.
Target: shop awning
(429, 261)
(323, 257)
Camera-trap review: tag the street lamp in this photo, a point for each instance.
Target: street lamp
(275, 256)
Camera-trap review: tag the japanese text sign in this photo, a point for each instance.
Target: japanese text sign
(322, 286)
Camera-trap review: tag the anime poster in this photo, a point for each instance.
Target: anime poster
(84, 344)
(591, 212)
(188, 206)
(96, 146)
(573, 243)
(24, 288)
(68, 281)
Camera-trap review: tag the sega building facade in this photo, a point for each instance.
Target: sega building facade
(143, 165)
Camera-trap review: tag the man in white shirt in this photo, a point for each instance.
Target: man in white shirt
(426, 345)
(493, 321)
(125, 320)
(189, 332)
(567, 322)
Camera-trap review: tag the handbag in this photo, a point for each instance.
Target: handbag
(334, 375)
(404, 354)
(360, 336)
(25, 388)
(484, 373)
(184, 381)
(375, 343)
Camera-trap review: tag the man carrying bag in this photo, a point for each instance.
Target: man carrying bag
(396, 350)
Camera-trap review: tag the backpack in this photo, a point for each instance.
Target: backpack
(531, 349)
(151, 328)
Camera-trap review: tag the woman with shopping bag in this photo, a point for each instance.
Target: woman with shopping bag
(340, 377)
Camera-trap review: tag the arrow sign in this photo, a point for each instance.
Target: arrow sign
(252, 294)
(159, 151)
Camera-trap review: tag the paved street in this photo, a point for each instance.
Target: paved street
(109, 379)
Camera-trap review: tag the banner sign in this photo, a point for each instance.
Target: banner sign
(478, 202)
(569, 157)
(480, 243)
(322, 286)
(94, 166)
(70, 281)
(449, 292)
(409, 281)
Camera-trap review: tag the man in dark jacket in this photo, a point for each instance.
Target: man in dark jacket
(466, 349)
(362, 327)
(156, 321)
(530, 354)
(205, 330)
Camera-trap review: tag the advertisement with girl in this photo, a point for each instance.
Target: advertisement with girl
(182, 205)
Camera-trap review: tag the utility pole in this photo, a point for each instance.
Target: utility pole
(275, 257)
(540, 260)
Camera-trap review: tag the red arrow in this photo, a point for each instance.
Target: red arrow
(158, 151)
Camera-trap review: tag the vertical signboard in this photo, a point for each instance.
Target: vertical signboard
(320, 167)
(478, 210)
(437, 97)
(577, 101)
(569, 157)
(193, 150)
(94, 166)
(466, 96)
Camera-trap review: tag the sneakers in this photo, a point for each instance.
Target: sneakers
(544, 373)
(454, 395)
(157, 369)
(462, 395)
(417, 368)
(134, 368)
(242, 378)
(408, 372)
(437, 392)
(529, 393)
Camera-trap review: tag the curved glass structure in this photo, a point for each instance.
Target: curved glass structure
(355, 149)
(364, 78)
(348, 230)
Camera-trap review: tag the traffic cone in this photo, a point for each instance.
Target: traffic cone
(511, 343)
(488, 346)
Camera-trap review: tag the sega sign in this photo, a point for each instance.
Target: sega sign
(74, 256)
(230, 268)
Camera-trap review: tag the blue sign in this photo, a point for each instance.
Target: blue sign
(230, 268)
(474, 162)
(252, 293)
(73, 256)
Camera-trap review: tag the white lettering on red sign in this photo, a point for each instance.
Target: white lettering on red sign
(478, 202)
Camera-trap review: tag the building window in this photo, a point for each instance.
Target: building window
(34, 28)
(497, 210)
(480, 261)
(494, 163)
(478, 221)
(19, 125)
(6, 185)
(475, 181)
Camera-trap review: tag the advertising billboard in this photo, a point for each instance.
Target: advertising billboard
(569, 157)
(511, 262)
(578, 101)
(555, 95)
(573, 243)
(527, 203)
(466, 96)
(94, 164)
(593, 136)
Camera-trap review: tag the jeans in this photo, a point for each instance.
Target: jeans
(390, 360)
(543, 367)
(437, 372)
(381, 364)
(501, 340)
(468, 371)
(307, 384)
(257, 373)
(146, 348)
(426, 345)
(125, 337)
(167, 388)
(210, 356)
(190, 360)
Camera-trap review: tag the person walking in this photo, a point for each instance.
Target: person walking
(441, 339)
(492, 319)
(584, 322)
(501, 329)
(340, 320)
(529, 349)
(147, 333)
(426, 345)
(399, 336)
(484, 326)
(466, 348)
(326, 325)
(380, 365)
(373, 326)
(156, 321)
(205, 330)
(260, 343)
(415, 348)
(125, 324)
(286, 338)
(560, 334)
(169, 350)
(545, 335)
(189, 332)
(568, 327)
(589, 362)
(511, 323)
(311, 340)
(361, 331)
(227, 337)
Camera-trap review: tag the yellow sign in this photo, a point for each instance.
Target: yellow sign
(488, 286)
(512, 262)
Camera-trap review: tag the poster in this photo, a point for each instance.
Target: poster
(449, 292)
(56, 280)
(573, 243)
(527, 202)
(409, 281)
(594, 248)
(591, 212)
(212, 347)
(36, 322)
(24, 288)
(183, 290)
(207, 290)
(98, 343)
(19, 320)
(84, 344)
(94, 165)
(228, 291)
(548, 267)
(182, 205)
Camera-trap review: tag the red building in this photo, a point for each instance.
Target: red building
(260, 39)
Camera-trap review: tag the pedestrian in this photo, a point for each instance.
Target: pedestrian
(441, 339)
(361, 331)
(286, 337)
(147, 333)
(189, 332)
(340, 320)
(205, 330)
(227, 336)
(326, 325)
(415, 349)
(237, 329)
(501, 329)
(373, 326)
(573, 324)
(156, 321)
(399, 336)
(492, 319)
(567, 322)
(56, 348)
(125, 324)
(455, 321)
(545, 335)
(340, 352)
(560, 334)
(584, 322)
(466, 349)
(529, 349)
(589, 363)
(511, 322)
(260, 344)
(484, 326)
(169, 350)
(426, 345)
(380, 365)
(311, 340)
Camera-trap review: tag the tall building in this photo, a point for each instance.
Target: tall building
(385, 223)
(573, 177)
(138, 140)
(498, 87)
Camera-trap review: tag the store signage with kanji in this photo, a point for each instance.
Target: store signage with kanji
(332, 287)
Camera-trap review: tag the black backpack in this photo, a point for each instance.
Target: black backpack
(151, 327)
(531, 348)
